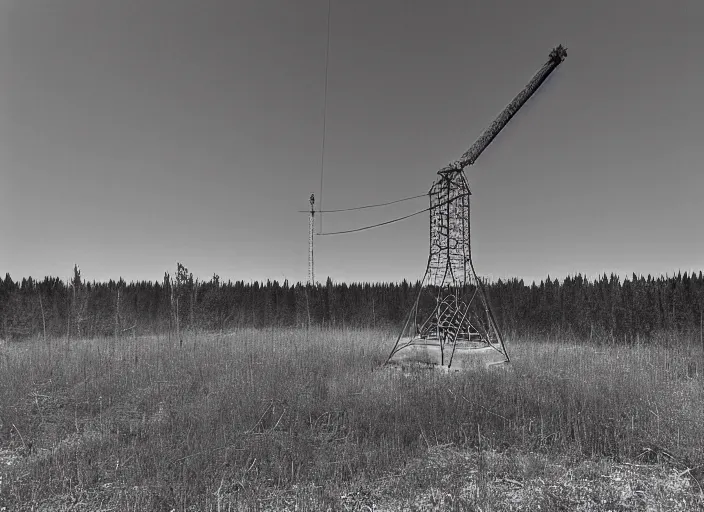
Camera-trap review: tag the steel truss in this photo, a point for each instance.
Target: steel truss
(451, 308)
(452, 303)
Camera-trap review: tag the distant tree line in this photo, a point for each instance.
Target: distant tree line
(635, 308)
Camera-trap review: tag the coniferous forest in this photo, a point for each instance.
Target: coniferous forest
(636, 308)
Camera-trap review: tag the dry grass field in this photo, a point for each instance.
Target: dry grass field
(306, 420)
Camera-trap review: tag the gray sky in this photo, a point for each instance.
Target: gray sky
(134, 133)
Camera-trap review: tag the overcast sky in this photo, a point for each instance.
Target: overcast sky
(135, 133)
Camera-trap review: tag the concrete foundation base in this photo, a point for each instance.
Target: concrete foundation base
(424, 353)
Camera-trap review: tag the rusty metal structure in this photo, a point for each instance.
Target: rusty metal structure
(452, 308)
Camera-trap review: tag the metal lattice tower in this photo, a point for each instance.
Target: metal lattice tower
(311, 219)
(452, 307)
(449, 231)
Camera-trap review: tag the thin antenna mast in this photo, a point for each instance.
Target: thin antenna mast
(311, 221)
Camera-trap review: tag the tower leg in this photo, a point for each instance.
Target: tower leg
(452, 318)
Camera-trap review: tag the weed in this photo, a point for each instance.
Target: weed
(260, 418)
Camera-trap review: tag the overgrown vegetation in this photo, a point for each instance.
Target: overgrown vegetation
(235, 421)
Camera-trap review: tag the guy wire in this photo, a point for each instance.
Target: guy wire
(366, 206)
(325, 114)
(393, 220)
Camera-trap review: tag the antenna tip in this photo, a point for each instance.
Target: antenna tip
(558, 54)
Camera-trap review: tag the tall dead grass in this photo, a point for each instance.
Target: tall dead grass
(147, 424)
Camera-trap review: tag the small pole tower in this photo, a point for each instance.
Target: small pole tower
(311, 221)
(452, 306)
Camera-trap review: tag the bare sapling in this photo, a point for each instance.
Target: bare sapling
(41, 307)
(117, 313)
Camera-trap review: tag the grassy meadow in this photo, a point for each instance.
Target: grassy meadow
(280, 419)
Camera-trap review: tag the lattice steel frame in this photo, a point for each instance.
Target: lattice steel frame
(449, 230)
(461, 311)
(461, 314)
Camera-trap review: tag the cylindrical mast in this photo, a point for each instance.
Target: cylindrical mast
(311, 273)
(470, 156)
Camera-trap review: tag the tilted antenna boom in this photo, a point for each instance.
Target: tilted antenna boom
(470, 156)
(462, 313)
